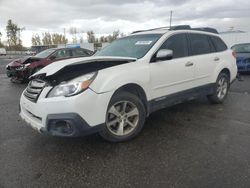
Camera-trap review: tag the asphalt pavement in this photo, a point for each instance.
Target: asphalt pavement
(194, 144)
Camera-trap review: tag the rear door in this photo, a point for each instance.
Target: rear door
(61, 54)
(203, 57)
(78, 52)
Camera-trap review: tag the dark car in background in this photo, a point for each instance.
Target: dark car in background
(242, 56)
(22, 69)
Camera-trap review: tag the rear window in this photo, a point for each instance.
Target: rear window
(199, 44)
(218, 44)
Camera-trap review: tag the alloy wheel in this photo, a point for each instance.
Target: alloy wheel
(222, 88)
(122, 118)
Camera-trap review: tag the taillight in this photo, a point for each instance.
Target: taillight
(234, 54)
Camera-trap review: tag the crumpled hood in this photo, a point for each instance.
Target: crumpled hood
(59, 65)
(18, 62)
(24, 60)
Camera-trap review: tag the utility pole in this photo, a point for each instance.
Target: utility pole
(170, 19)
(64, 36)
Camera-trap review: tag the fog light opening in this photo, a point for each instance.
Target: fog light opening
(63, 127)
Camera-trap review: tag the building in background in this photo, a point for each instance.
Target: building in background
(235, 37)
(100, 45)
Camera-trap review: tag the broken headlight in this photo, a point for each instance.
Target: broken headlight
(73, 87)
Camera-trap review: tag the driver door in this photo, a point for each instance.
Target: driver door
(175, 75)
(61, 54)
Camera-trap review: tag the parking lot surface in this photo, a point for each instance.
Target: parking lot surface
(194, 144)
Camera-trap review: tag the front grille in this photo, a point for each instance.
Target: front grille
(34, 89)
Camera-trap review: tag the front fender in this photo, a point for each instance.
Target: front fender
(113, 78)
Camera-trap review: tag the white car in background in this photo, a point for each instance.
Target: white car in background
(3, 51)
(29, 52)
(115, 90)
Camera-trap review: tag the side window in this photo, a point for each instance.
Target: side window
(177, 43)
(64, 53)
(78, 52)
(199, 44)
(218, 43)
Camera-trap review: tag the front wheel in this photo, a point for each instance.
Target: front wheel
(221, 89)
(124, 118)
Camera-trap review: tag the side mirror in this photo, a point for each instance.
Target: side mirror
(163, 54)
(52, 57)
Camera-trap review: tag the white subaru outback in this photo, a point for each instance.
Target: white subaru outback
(114, 91)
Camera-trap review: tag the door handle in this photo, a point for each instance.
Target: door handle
(189, 64)
(216, 59)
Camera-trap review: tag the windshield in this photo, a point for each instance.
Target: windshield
(45, 53)
(135, 46)
(241, 48)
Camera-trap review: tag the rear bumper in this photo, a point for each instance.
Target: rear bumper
(243, 67)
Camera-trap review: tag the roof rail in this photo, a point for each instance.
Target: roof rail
(177, 27)
(167, 28)
(207, 29)
(181, 27)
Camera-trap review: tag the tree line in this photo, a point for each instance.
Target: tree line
(14, 42)
(13, 33)
(109, 38)
(48, 38)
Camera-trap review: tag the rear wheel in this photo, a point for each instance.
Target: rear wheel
(124, 118)
(221, 89)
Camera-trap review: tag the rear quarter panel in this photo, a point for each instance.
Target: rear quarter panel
(228, 61)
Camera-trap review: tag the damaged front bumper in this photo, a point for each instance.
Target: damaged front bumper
(74, 116)
(18, 73)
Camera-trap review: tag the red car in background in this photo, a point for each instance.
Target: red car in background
(22, 69)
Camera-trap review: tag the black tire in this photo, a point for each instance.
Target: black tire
(215, 98)
(107, 134)
(16, 80)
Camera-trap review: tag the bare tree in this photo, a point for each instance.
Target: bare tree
(1, 44)
(59, 39)
(47, 40)
(91, 37)
(13, 32)
(36, 40)
(73, 31)
(111, 38)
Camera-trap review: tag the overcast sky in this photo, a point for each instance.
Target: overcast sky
(105, 16)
